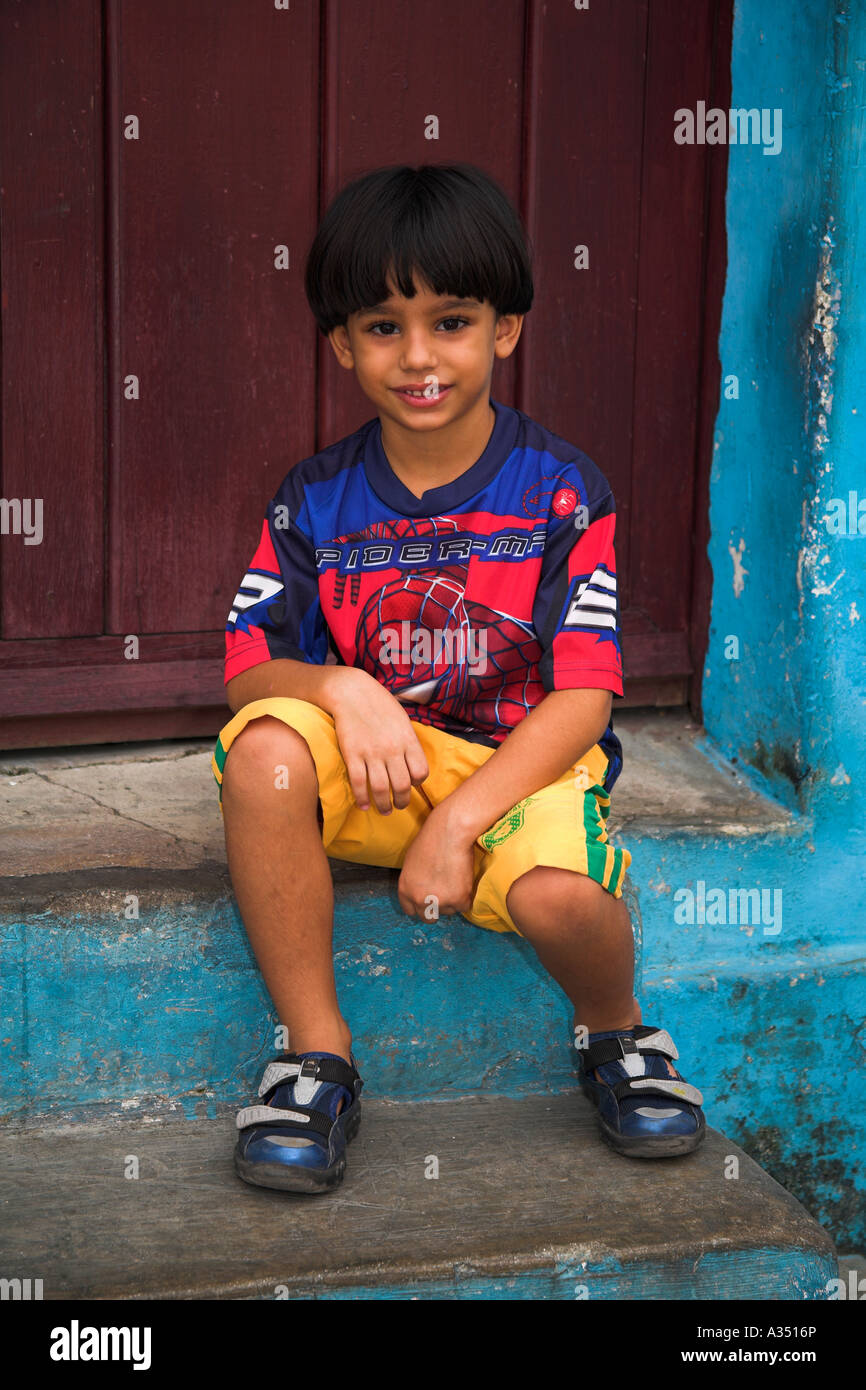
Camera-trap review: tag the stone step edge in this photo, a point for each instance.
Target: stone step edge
(564, 1266)
(785, 1253)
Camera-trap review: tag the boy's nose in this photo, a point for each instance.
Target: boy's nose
(418, 364)
(418, 351)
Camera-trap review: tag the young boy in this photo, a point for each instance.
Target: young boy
(422, 660)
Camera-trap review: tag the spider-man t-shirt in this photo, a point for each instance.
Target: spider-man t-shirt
(469, 603)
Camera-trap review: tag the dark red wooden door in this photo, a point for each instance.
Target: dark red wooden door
(163, 170)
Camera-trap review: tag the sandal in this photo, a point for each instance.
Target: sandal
(632, 1066)
(295, 1140)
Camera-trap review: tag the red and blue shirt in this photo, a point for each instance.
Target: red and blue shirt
(469, 603)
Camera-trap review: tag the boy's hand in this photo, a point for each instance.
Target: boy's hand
(377, 742)
(438, 875)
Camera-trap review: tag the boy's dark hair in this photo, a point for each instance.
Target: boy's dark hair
(450, 223)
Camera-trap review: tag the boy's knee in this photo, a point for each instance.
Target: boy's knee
(262, 749)
(551, 893)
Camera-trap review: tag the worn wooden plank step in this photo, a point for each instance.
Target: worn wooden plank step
(528, 1203)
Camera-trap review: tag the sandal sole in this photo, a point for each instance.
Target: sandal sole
(282, 1177)
(660, 1146)
(653, 1147)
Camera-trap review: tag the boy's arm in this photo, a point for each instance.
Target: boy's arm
(302, 680)
(551, 738)
(440, 862)
(277, 643)
(374, 732)
(575, 614)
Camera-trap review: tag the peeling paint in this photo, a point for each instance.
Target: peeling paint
(739, 571)
(818, 365)
(821, 342)
(820, 588)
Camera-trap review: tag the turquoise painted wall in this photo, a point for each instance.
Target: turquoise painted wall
(789, 584)
(793, 328)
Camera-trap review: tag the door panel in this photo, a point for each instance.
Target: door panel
(225, 169)
(51, 257)
(162, 372)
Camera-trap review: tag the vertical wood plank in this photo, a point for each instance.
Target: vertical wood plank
(387, 67)
(221, 341)
(586, 93)
(51, 321)
(670, 313)
(714, 270)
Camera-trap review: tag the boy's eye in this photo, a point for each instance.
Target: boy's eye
(387, 323)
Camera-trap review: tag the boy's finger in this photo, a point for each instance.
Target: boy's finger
(356, 771)
(380, 786)
(417, 763)
(401, 782)
(407, 905)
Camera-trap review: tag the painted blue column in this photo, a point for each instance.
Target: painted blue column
(788, 590)
(785, 678)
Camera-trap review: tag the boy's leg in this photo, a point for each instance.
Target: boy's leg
(571, 911)
(582, 935)
(282, 880)
(646, 1109)
(571, 907)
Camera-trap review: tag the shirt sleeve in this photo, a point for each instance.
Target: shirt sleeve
(576, 609)
(276, 611)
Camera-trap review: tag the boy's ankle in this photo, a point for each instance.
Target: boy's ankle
(319, 1040)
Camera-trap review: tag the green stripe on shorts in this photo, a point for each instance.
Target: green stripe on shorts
(596, 853)
(220, 756)
(597, 850)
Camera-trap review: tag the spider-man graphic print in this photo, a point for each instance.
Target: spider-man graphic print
(469, 604)
(431, 645)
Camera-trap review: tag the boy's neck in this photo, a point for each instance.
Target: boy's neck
(428, 459)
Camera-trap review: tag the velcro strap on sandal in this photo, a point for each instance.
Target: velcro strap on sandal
(658, 1085)
(276, 1072)
(659, 1040)
(313, 1120)
(658, 1043)
(328, 1069)
(606, 1050)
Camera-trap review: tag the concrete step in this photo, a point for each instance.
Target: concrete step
(164, 1013)
(171, 1010)
(529, 1203)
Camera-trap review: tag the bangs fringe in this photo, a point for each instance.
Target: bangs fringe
(449, 226)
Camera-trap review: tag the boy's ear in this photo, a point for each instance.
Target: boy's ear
(339, 340)
(508, 330)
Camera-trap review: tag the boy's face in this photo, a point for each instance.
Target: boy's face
(442, 347)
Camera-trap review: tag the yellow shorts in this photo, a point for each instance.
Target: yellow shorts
(562, 826)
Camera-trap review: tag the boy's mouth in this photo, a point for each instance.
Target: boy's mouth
(414, 394)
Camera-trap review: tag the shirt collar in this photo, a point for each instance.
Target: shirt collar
(390, 489)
